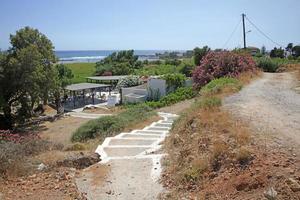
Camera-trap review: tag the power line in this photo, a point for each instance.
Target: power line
(259, 30)
(234, 30)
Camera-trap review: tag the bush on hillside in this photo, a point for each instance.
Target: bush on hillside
(219, 64)
(112, 125)
(128, 81)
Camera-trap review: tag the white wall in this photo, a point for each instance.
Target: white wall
(157, 85)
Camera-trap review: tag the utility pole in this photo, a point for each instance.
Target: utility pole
(244, 32)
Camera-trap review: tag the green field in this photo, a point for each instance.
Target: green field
(81, 71)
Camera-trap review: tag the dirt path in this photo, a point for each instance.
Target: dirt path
(272, 106)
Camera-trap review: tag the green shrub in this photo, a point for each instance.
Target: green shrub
(178, 95)
(273, 64)
(111, 125)
(267, 64)
(217, 85)
(187, 69)
(174, 80)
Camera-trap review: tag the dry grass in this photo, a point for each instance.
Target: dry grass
(202, 142)
(205, 141)
(289, 67)
(15, 157)
(246, 77)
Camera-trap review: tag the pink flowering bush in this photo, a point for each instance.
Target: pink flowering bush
(219, 64)
(8, 136)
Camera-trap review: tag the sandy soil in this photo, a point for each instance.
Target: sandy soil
(112, 186)
(272, 106)
(61, 130)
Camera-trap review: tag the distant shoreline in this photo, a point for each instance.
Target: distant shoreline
(91, 56)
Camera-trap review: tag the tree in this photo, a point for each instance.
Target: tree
(289, 47)
(28, 74)
(277, 53)
(65, 75)
(296, 51)
(119, 63)
(263, 50)
(199, 53)
(63, 78)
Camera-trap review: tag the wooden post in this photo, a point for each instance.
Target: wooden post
(74, 99)
(93, 96)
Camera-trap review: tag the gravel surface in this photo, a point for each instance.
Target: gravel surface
(271, 105)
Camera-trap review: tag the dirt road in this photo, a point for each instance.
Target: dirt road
(270, 104)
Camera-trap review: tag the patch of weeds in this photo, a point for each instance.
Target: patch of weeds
(243, 156)
(219, 151)
(199, 166)
(224, 84)
(14, 156)
(75, 147)
(210, 102)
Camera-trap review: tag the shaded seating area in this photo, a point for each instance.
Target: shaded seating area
(82, 94)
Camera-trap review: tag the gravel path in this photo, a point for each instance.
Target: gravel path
(134, 164)
(271, 105)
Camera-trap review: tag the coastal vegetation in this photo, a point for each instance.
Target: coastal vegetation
(118, 63)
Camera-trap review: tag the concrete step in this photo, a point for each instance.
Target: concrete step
(157, 128)
(124, 151)
(126, 141)
(162, 125)
(156, 132)
(140, 135)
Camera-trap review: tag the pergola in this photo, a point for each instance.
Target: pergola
(86, 86)
(101, 79)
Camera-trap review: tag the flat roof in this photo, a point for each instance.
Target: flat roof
(106, 78)
(85, 86)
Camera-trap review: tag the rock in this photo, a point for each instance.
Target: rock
(270, 193)
(108, 192)
(80, 161)
(293, 184)
(42, 167)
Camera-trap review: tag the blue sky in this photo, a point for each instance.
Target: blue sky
(151, 24)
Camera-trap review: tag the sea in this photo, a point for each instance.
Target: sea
(97, 55)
